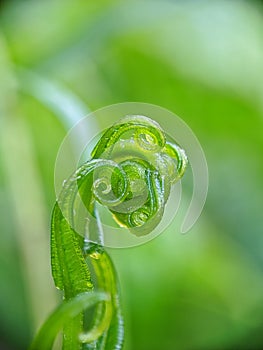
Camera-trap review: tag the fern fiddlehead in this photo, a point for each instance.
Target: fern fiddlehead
(131, 171)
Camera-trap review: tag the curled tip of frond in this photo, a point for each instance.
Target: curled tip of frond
(131, 172)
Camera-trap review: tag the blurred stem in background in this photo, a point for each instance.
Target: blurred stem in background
(28, 207)
(24, 180)
(26, 191)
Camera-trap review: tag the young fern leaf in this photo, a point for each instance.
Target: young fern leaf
(71, 258)
(64, 313)
(132, 169)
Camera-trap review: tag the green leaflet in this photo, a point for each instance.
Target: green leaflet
(131, 172)
(64, 313)
(104, 270)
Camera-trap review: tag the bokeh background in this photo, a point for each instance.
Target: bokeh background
(203, 60)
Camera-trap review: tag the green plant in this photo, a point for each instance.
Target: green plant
(131, 171)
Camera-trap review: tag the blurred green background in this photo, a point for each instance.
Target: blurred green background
(203, 60)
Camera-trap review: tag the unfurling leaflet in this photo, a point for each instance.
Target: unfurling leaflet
(131, 171)
(135, 168)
